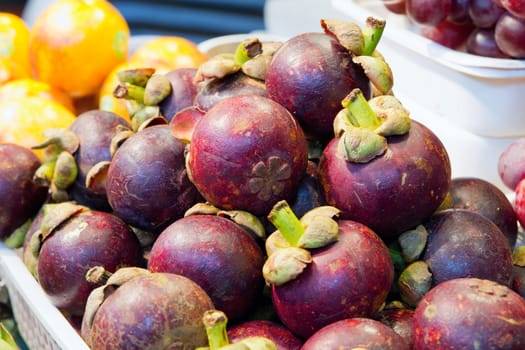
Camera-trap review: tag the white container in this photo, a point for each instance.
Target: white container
(40, 323)
(485, 96)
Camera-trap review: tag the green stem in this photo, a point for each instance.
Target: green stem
(285, 220)
(129, 92)
(246, 50)
(215, 322)
(372, 33)
(361, 113)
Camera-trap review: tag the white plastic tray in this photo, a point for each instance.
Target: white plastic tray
(481, 94)
(40, 324)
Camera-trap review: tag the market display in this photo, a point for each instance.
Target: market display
(278, 196)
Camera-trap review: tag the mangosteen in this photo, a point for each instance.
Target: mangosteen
(95, 130)
(21, 196)
(147, 184)
(465, 313)
(312, 72)
(216, 321)
(218, 254)
(70, 240)
(276, 332)
(137, 309)
(321, 270)
(460, 243)
(356, 333)
(246, 153)
(76, 158)
(383, 169)
(182, 92)
(487, 199)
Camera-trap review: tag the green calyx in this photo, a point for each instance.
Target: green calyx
(287, 247)
(59, 169)
(143, 91)
(363, 126)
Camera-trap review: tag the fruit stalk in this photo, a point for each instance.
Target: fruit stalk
(284, 219)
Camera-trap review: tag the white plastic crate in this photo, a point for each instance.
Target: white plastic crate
(40, 324)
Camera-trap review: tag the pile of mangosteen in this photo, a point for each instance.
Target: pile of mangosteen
(276, 197)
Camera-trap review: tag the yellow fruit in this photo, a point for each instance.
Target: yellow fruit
(172, 51)
(23, 120)
(14, 40)
(30, 87)
(74, 44)
(9, 70)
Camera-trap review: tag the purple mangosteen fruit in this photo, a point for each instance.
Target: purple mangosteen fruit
(399, 319)
(485, 198)
(468, 313)
(218, 254)
(462, 243)
(246, 153)
(147, 184)
(276, 332)
(21, 196)
(228, 86)
(382, 168)
(139, 310)
(312, 72)
(71, 239)
(182, 92)
(95, 130)
(321, 270)
(356, 333)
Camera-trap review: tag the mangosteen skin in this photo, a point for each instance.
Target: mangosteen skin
(462, 243)
(356, 333)
(349, 278)
(150, 311)
(464, 311)
(95, 130)
(219, 255)
(147, 184)
(394, 192)
(214, 90)
(247, 153)
(21, 197)
(276, 332)
(487, 199)
(88, 239)
(400, 320)
(183, 91)
(310, 74)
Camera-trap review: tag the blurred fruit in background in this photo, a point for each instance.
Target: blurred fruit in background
(14, 41)
(23, 120)
(74, 44)
(164, 53)
(30, 87)
(9, 70)
(173, 51)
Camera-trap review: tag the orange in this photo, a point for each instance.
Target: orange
(172, 51)
(74, 44)
(23, 120)
(14, 40)
(31, 87)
